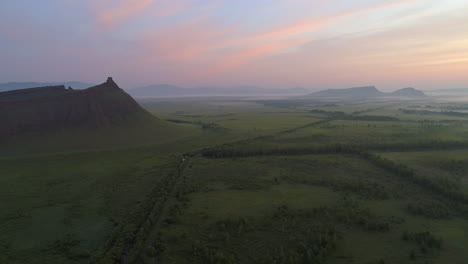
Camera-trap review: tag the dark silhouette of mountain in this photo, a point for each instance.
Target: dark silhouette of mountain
(57, 119)
(23, 85)
(166, 90)
(408, 92)
(54, 107)
(366, 92)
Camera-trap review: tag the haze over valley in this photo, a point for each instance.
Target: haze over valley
(232, 132)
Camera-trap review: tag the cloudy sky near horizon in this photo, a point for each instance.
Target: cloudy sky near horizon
(269, 43)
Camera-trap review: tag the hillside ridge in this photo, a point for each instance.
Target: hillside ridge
(56, 107)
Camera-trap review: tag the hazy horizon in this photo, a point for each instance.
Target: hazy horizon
(198, 43)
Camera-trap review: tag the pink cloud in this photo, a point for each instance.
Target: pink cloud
(211, 49)
(167, 8)
(110, 14)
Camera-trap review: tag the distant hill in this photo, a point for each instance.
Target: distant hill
(23, 85)
(55, 117)
(365, 92)
(166, 90)
(408, 92)
(355, 92)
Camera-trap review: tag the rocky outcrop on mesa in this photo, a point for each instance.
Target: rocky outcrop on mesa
(56, 107)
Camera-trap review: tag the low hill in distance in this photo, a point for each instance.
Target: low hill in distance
(10, 86)
(100, 116)
(356, 92)
(408, 92)
(365, 92)
(166, 90)
(455, 90)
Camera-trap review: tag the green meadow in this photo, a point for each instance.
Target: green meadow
(239, 180)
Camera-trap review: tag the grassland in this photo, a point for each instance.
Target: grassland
(247, 181)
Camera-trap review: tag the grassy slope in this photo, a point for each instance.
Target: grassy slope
(134, 132)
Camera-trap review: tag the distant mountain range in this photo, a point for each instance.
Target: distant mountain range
(23, 85)
(459, 90)
(365, 92)
(166, 90)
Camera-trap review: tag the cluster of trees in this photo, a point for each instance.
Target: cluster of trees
(453, 165)
(444, 186)
(233, 227)
(231, 151)
(204, 126)
(347, 212)
(212, 255)
(155, 248)
(430, 209)
(292, 103)
(127, 239)
(456, 107)
(210, 126)
(289, 131)
(68, 246)
(305, 236)
(368, 110)
(370, 118)
(427, 112)
(439, 185)
(333, 114)
(6, 255)
(312, 248)
(178, 121)
(420, 145)
(351, 212)
(339, 115)
(365, 188)
(426, 242)
(308, 236)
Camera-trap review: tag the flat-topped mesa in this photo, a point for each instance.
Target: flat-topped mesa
(52, 108)
(32, 93)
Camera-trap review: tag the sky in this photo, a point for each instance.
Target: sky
(268, 43)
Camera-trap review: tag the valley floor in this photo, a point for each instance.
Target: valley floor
(251, 181)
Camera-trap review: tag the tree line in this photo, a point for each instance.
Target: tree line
(443, 186)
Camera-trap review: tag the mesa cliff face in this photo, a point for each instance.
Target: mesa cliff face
(56, 107)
